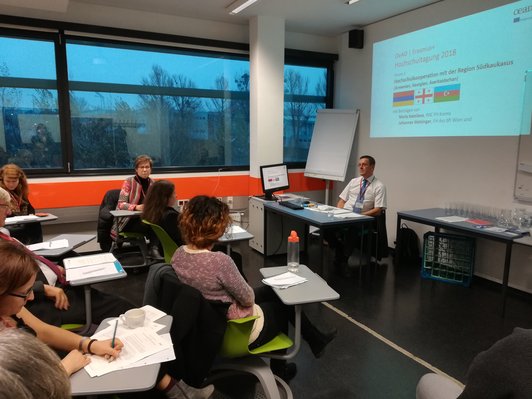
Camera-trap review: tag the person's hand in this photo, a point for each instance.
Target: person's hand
(103, 348)
(58, 295)
(139, 207)
(75, 361)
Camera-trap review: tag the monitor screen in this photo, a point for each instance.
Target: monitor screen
(274, 178)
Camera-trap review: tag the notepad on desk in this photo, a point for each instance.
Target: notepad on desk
(284, 280)
(54, 244)
(89, 267)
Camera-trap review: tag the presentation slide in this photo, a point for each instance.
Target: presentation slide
(461, 78)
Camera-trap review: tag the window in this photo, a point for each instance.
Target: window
(183, 110)
(29, 124)
(305, 92)
(84, 105)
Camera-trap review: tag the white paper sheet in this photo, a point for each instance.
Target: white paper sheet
(451, 219)
(54, 244)
(89, 260)
(139, 343)
(284, 280)
(82, 273)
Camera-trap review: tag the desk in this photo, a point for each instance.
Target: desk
(74, 241)
(120, 381)
(86, 283)
(231, 237)
(314, 290)
(313, 218)
(428, 217)
(14, 220)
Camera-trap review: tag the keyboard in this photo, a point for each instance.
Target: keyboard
(291, 205)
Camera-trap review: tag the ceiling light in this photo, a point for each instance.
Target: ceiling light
(239, 5)
(349, 2)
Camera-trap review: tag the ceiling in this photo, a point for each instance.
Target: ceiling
(320, 17)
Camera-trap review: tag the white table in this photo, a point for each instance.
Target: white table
(314, 290)
(121, 381)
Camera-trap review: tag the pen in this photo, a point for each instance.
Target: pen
(114, 334)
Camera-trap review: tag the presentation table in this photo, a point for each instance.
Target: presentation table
(429, 217)
(121, 381)
(315, 289)
(322, 220)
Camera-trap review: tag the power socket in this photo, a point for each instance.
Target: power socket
(229, 202)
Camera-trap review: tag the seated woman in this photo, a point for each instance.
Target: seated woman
(17, 276)
(56, 302)
(132, 196)
(14, 181)
(214, 274)
(46, 378)
(159, 208)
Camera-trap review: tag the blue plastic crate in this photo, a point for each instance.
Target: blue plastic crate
(448, 257)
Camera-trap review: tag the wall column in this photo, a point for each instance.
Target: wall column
(267, 36)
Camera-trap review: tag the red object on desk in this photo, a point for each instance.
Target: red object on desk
(41, 214)
(479, 222)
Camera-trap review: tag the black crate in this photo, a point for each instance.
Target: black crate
(448, 257)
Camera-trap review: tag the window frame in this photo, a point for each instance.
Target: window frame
(62, 32)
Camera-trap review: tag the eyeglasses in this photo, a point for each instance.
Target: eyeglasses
(144, 167)
(23, 296)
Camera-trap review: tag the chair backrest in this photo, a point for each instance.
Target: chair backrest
(169, 245)
(105, 219)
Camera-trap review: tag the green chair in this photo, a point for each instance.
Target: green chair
(169, 246)
(237, 357)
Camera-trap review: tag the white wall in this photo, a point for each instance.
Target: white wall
(427, 172)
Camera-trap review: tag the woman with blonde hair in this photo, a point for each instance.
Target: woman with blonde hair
(14, 181)
(45, 378)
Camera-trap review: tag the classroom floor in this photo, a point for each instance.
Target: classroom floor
(392, 327)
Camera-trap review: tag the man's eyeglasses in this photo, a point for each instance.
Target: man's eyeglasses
(23, 296)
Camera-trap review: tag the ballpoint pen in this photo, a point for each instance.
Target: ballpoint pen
(114, 334)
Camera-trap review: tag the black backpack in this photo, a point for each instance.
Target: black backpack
(407, 247)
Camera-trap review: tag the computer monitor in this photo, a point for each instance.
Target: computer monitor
(274, 178)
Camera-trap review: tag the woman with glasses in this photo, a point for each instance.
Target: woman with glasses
(132, 196)
(14, 181)
(17, 276)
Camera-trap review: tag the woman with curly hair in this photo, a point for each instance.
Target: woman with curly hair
(203, 221)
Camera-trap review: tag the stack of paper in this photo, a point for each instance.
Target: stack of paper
(88, 267)
(142, 345)
(284, 280)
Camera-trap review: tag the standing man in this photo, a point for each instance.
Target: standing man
(365, 195)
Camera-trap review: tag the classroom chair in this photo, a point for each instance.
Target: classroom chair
(169, 246)
(203, 334)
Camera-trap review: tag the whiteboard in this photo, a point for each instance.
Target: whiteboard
(332, 140)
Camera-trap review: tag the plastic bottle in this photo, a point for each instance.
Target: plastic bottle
(292, 250)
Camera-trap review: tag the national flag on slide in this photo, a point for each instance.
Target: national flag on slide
(402, 98)
(447, 93)
(423, 96)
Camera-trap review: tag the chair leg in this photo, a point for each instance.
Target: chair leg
(260, 369)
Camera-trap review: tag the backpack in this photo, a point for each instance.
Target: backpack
(407, 247)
